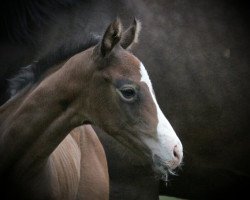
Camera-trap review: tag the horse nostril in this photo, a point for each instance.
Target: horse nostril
(177, 154)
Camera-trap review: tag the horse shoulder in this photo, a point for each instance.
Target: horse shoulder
(65, 169)
(94, 180)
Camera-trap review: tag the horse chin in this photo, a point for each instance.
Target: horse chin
(162, 169)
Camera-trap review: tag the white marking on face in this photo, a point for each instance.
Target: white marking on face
(166, 135)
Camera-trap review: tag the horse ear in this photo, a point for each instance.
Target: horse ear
(131, 35)
(111, 37)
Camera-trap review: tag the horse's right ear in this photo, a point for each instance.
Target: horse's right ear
(131, 35)
(111, 37)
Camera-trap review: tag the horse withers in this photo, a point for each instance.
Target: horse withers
(104, 85)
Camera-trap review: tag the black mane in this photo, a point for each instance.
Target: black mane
(31, 74)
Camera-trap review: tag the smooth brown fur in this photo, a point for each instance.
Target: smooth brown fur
(79, 167)
(39, 158)
(101, 86)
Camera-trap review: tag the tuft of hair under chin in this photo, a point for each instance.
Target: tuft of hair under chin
(162, 170)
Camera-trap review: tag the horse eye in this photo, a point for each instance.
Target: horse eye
(127, 93)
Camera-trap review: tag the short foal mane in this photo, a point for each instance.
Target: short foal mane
(30, 74)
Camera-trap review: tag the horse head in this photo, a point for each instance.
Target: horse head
(120, 98)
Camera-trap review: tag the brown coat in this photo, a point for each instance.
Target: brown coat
(79, 166)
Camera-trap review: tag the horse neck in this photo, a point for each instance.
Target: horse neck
(36, 122)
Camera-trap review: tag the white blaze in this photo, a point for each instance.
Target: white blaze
(166, 135)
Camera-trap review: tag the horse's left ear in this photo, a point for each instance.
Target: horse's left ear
(111, 37)
(130, 36)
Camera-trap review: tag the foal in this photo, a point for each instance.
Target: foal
(104, 85)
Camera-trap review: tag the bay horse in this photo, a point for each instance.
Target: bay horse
(104, 85)
(197, 55)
